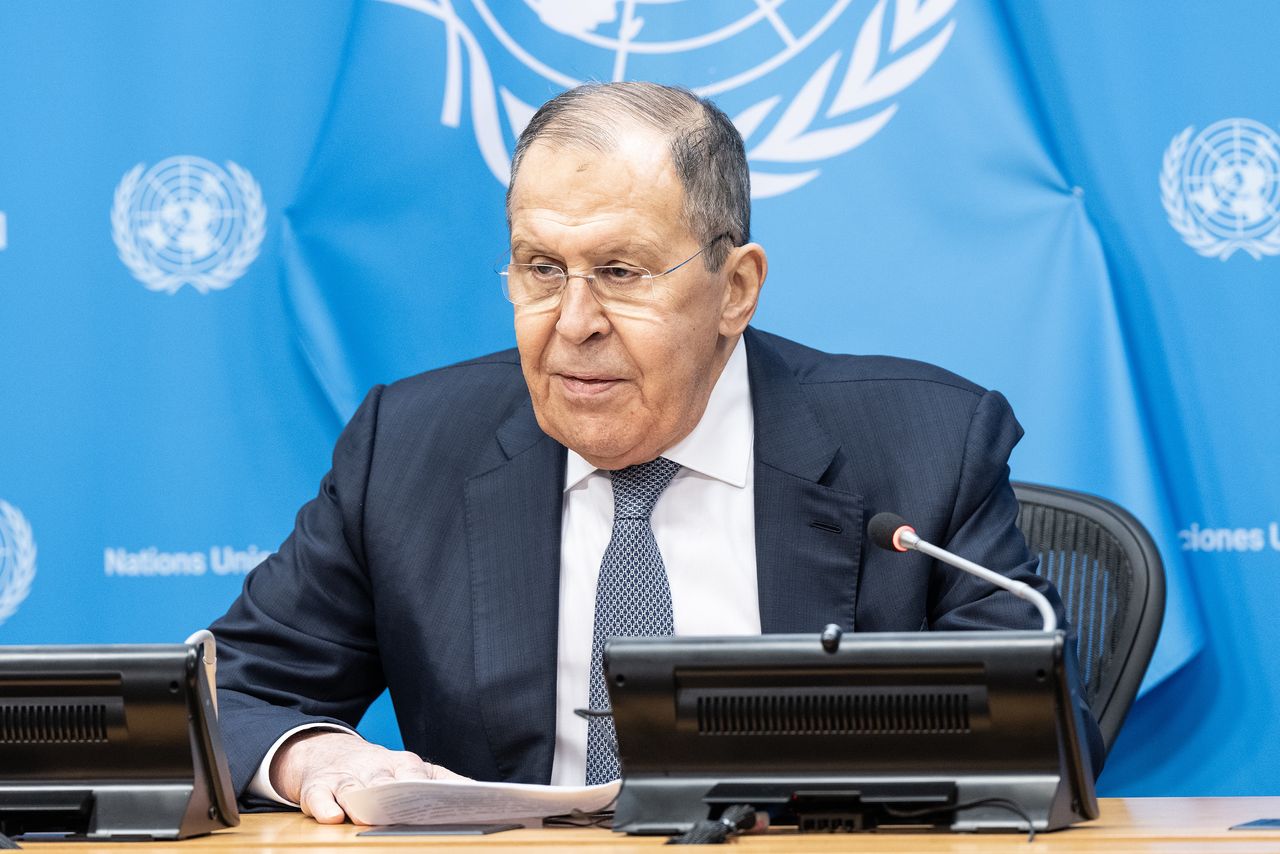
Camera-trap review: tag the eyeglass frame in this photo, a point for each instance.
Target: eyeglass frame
(590, 278)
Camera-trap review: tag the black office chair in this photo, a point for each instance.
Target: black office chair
(1111, 579)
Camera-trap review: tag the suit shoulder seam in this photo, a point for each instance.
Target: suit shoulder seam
(974, 390)
(476, 364)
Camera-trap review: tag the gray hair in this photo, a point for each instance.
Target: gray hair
(706, 150)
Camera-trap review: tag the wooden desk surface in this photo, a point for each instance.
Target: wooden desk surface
(1164, 825)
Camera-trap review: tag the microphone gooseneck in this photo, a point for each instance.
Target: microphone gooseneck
(891, 532)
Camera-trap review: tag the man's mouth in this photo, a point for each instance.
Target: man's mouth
(587, 384)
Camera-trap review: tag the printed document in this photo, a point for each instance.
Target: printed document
(448, 801)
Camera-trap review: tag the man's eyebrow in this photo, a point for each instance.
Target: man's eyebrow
(627, 246)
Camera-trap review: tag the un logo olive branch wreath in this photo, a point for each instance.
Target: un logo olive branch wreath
(1183, 220)
(872, 78)
(17, 560)
(155, 277)
(868, 81)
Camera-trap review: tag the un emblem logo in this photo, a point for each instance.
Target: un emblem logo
(186, 221)
(17, 559)
(788, 131)
(1221, 190)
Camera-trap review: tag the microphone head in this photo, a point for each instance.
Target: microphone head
(884, 528)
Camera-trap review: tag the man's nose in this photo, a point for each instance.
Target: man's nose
(581, 314)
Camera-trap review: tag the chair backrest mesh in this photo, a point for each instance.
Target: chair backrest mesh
(1111, 579)
(1093, 576)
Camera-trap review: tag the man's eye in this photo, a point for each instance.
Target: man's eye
(545, 271)
(619, 276)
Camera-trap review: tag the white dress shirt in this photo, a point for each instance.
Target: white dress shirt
(704, 524)
(705, 527)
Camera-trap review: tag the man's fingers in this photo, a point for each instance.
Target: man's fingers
(356, 786)
(425, 771)
(420, 771)
(439, 772)
(411, 766)
(383, 775)
(318, 801)
(331, 766)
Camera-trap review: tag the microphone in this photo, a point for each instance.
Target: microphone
(890, 531)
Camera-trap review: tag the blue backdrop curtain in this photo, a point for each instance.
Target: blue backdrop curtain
(221, 223)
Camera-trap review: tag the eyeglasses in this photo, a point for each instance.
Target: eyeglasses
(614, 285)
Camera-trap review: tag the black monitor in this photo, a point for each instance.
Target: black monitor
(968, 731)
(110, 742)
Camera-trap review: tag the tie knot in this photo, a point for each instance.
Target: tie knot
(636, 488)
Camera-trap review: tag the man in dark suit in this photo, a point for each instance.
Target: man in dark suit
(465, 552)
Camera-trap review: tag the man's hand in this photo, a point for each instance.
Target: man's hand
(318, 769)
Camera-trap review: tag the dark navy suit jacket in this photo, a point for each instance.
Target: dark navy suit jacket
(429, 561)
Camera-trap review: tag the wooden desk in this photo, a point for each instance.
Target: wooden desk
(1164, 825)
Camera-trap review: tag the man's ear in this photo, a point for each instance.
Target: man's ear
(746, 268)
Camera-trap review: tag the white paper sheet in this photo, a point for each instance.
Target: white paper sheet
(445, 801)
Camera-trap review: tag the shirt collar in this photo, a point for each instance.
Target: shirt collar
(719, 446)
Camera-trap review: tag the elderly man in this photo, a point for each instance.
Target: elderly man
(644, 463)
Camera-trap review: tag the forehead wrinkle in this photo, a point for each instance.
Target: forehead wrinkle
(602, 251)
(585, 203)
(642, 155)
(544, 227)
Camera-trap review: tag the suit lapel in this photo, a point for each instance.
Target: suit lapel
(808, 515)
(808, 520)
(513, 512)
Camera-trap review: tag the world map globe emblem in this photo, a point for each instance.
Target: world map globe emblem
(187, 220)
(17, 559)
(792, 123)
(1221, 189)
(1232, 178)
(626, 39)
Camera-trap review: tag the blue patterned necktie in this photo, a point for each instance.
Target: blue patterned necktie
(633, 598)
